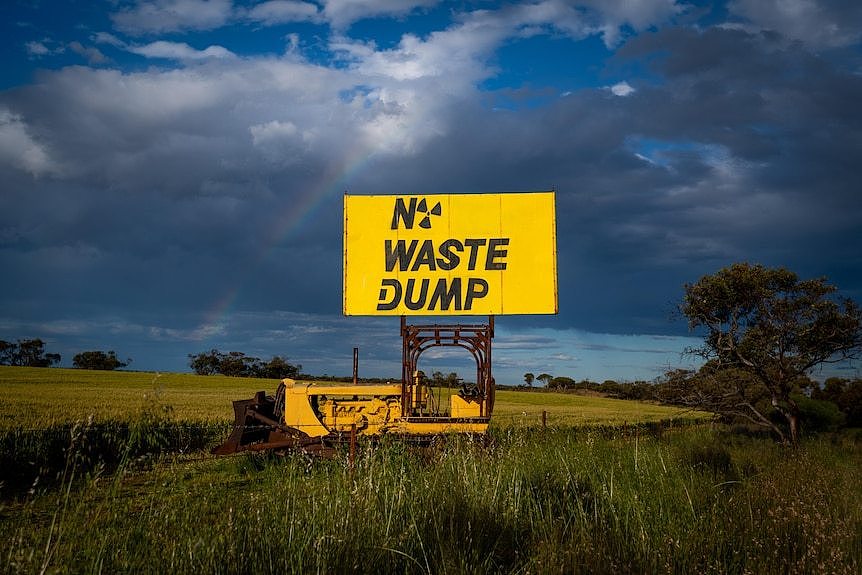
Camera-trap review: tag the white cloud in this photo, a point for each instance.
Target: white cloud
(613, 15)
(107, 38)
(639, 14)
(292, 41)
(410, 87)
(19, 149)
(173, 15)
(282, 11)
(127, 104)
(91, 53)
(587, 17)
(459, 53)
(280, 142)
(390, 101)
(342, 13)
(44, 47)
(37, 49)
(200, 333)
(621, 89)
(403, 99)
(272, 131)
(404, 95)
(179, 51)
(173, 131)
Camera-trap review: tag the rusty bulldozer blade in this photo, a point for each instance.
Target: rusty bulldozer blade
(256, 428)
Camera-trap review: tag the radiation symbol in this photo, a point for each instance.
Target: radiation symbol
(423, 208)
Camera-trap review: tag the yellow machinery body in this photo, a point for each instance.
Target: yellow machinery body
(319, 410)
(316, 417)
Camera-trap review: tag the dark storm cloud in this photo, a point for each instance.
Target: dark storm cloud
(821, 24)
(201, 203)
(792, 117)
(155, 190)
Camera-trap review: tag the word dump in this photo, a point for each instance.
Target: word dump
(443, 294)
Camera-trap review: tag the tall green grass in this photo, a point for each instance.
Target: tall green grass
(109, 473)
(40, 458)
(528, 501)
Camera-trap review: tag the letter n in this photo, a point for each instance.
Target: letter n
(403, 213)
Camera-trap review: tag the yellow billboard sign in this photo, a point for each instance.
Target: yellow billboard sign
(450, 254)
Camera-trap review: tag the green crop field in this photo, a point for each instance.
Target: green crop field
(67, 395)
(110, 473)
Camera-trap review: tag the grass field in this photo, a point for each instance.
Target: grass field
(68, 395)
(135, 491)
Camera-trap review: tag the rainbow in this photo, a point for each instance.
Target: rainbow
(334, 180)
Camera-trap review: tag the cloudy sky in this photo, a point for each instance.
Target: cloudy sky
(172, 171)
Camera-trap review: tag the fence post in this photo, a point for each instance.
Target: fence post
(355, 366)
(544, 419)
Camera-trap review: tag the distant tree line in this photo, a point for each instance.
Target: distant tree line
(238, 364)
(439, 379)
(733, 395)
(27, 353)
(638, 390)
(99, 360)
(31, 353)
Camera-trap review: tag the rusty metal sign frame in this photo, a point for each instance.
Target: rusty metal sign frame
(475, 338)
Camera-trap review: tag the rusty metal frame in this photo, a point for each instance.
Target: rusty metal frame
(475, 338)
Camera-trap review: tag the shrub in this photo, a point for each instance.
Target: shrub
(819, 414)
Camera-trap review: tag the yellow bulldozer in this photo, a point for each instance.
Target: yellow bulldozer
(315, 418)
